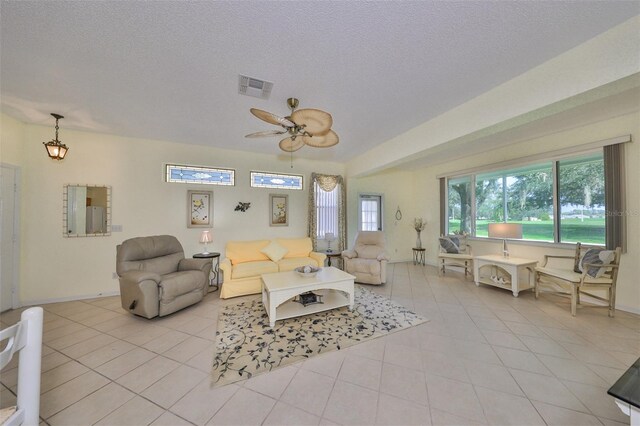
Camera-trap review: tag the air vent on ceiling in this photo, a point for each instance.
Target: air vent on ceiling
(254, 87)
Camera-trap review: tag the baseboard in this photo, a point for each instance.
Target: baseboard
(629, 309)
(69, 299)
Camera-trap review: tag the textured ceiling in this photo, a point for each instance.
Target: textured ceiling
(169, 70)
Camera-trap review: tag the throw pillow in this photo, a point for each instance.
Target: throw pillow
(461, 242)
(274, 251)
(448, 245)
(596, 256)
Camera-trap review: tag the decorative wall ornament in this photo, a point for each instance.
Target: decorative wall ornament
(243, 207)
(398, 214)
(200, 209)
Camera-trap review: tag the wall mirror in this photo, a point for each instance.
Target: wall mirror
(86, 211)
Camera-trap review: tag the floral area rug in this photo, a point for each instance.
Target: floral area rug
(247, 346)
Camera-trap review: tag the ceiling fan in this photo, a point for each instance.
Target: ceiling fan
(306, 126)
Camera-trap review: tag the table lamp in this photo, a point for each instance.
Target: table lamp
(329, 237)
(504, 231)
(206, 238)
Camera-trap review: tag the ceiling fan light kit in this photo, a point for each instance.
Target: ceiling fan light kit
(308, 126)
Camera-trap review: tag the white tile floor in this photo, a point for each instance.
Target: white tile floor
(484, 358)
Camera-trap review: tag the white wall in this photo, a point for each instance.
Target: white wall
(424, 199)
(53, 267)
(398, 188)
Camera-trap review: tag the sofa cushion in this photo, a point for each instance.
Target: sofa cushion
(297, 247)
(179, 283)
(253, 269)
(275, 251)
(246, 251)
(291, 264)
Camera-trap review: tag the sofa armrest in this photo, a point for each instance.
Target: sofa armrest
(383, 256)
(349, 254)
(225, 267)
(136, 277)
(195, 265)
(318, 257)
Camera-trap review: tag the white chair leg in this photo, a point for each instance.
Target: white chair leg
(29, 378)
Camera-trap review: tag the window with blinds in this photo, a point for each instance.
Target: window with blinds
(326, 210)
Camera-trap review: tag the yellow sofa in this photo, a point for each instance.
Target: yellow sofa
(246, 260)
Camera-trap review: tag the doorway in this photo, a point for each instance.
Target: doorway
(370, 212)
(9, 250)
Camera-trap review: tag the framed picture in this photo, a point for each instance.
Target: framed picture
(200, 209)
(279, 210)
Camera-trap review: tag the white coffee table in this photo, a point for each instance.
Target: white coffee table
(515, 267)
(279, 288)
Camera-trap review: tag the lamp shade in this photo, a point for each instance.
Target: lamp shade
(329, 236)
(505, 230)
(206, 237)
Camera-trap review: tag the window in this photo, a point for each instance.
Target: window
(555, 201)
(581, 194)
(370, 212)
(523, 195)
(459, 207)
(203, 175)
(327, 210)
(274, 180)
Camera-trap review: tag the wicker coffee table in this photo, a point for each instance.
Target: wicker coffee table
(279, 290)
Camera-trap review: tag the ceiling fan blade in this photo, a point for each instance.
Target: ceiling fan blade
(314, 121)
(266, 133)
(291, 145)
(330, 139)
(272, 118)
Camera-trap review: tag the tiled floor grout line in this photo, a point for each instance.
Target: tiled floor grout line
(426, 292)
(107, 378)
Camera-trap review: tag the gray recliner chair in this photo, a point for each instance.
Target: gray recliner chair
(156, 279)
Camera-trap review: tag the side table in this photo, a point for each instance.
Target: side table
(418, 256)
(331, 255)
(514, 267)
(215, 268)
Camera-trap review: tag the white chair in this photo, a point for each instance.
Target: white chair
(563, 276)
(24, 336)
(454, 251)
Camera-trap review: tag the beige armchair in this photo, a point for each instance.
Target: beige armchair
(367, 260)
(590, 268)
(156, 279)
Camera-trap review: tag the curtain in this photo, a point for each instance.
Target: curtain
(327, 183)
(614, 196)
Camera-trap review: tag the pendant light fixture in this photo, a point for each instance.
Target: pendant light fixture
(56, 149)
